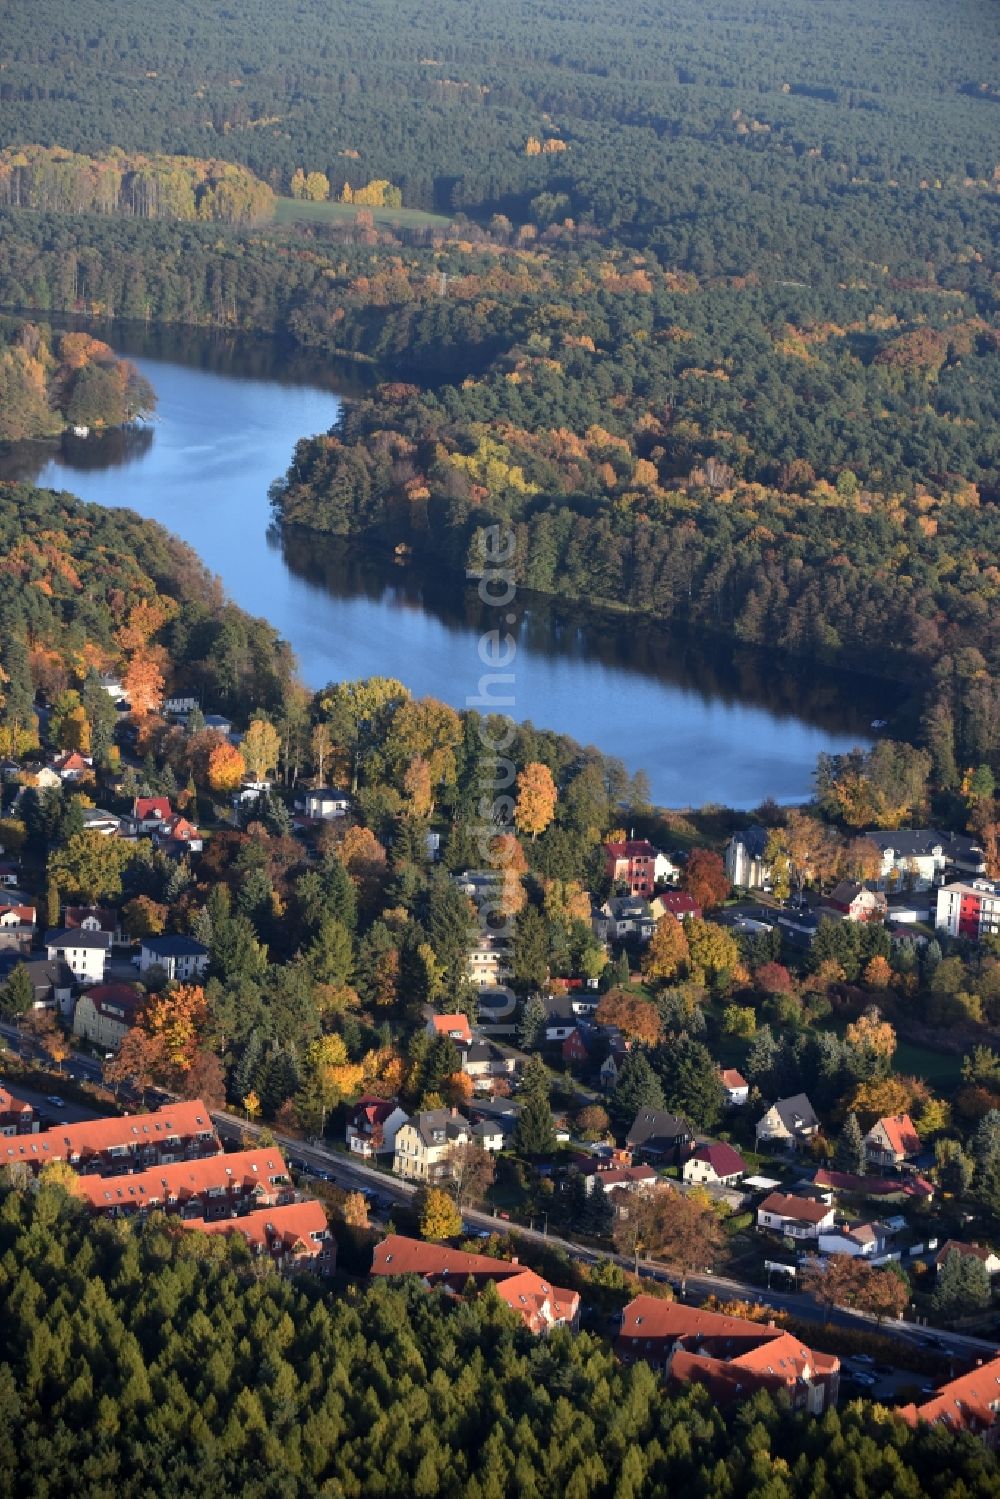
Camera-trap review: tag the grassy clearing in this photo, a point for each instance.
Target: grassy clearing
(292, 211)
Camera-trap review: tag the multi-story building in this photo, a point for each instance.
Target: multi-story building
(373, 1125)
(424, 1144)
(637, 865)
(180, 1131)
(745, 862)
(732, 1357)
(969, 1403)
(215, 1187)
(540, 1305)
(16, 1116)
(917, 858)
(969, 908)
(106, 1013)
(295, 1236)
(181, 958)
(84, 952)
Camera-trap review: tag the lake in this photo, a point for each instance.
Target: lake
(708, 722)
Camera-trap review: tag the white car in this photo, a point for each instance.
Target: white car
(57, 1103)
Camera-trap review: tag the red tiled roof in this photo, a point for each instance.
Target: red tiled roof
(11, 1105)
(73, 760)
(149, 806)
(372, 1110)
(24, 914)
(799, 1209)
(622, 1176)
(723, 1159)
(679, 903)
(970, 1251)
(179, 1181)
(733, 1079)
(74, 1142)
(446, 1025)
(125, 996)
(969, 1403)
(522, 1290)
(900, 1133)
(288, 1228)
(874, 1186)
(632, 848)
(75, 916)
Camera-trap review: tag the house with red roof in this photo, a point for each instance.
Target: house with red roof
(181, 1131)
(607, 1176)
(970, 1403)
(72, 766)
(455, 1027)
(732, 1357)
(16, 1116)
(891, 1140)
(215, 1187)
(574, 1049)
(676, 903)
(795, 1217)
(176, 836)
(296, 1236)
(93, 919)
(148, 812)
(884, 1188)
(715, 1164)
(736, 1086)
(372, 1126)
(540, 1305)
(981, 1252)
(637, 864)
(105, 1013)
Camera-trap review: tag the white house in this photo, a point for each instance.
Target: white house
(373, 1125)
(487, 965)
(744, 857)
(916, 859)
(327, 803)
(181, 958)
(795, 1217)
(736, 1087)
(625, 916)
(179, 704)
(714, 1165)
(788, 1121)
(859, 1240)
(85, 953)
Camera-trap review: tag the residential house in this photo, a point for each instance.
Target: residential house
(96, 820)
(10, 874)
(424, 1144)
(85, 953)
(970, 1403)
(17, 926)
(981, 1252)
(736, 1087)
(883, 1189)
(372, 1126)
(612, 1064)
(295, 1236)
(180, 1131)
(969, 908)
(714, 1165)
(789, 1121)
(858, 1240)
(494, 1122)
(112, 685)
(219, 723)
(560, 1017)
(455, 1027)
(637, 865)
(607, 1176)
(625, 918)
(181, 958)
(485, 1061)
(917, 858)
(217, 1186)
(16, 1116)
(105, 1014)
(148, 812)
(856, 902)
(53, 982)
(540, 1305)
(891, 1140)
(480, 885)
(795, 1217)
(798, 927)
(178, 837)
(676, 903)
(487, 965)
(179, 704)
(658, 1136)
(574, 1050)
(93, 919)
(745, 862)
(72, 766)
(732, 1357)
(327, 803)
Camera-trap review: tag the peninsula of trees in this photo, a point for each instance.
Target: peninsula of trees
(49, 381)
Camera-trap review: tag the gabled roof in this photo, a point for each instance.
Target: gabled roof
(754, 840)
(678, 903)
(967, 1251)
(733, 1079)
(524, 1292)
(77, 937)
(798, 1209)
(117, 1001)
(723, 1159)
(180, 1181)
(174, 946)
(145, 807)
(965, 1404)
(912, 843)
(72, 760)
(899, 1132)
(536, 1300)
(657, 1124)
(795, 1112)
(873, 1186)
(448, 1123)
(633, 907)
(288, 1228)
(105, 916)
(452, 1025)
(11, 1105)
(371, 1110)
(183, 1120)
(632, 848)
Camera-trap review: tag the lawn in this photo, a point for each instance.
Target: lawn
(293, 210)
(943, 1070)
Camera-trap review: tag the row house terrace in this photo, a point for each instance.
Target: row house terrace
(296, 1237)
(107, 1147)
(540, 1305)
(219, 1186)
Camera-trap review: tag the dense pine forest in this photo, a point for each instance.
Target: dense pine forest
(155, 1361)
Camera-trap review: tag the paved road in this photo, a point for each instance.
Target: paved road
(70, 1113)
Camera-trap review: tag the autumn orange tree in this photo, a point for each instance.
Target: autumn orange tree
(636, 1018)
(143, 684)
(667, 952)
(226, 767)
(536, 799)
(705, 878)
(176, 1018)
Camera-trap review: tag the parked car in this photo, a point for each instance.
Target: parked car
(55, 1101)
(857, 1376)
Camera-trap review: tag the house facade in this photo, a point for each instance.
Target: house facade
(637, 865)
(714, 1165)
(487, 965)
(745, 862)
(180, 1131)
(736, 1087)
(788, 1122)
(105, 1014)
(295, 1236)
(217, 1186)
(181, 958)
(373, 1125)
(16, 1116)
(85, 953)
(424, 1144)
(625, 918)
(861, 1241)
(969, 908)
(327, 803)
(659, 1137)
(795, 1217)
(856, 902)
(891, 1140)
(918, 858)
